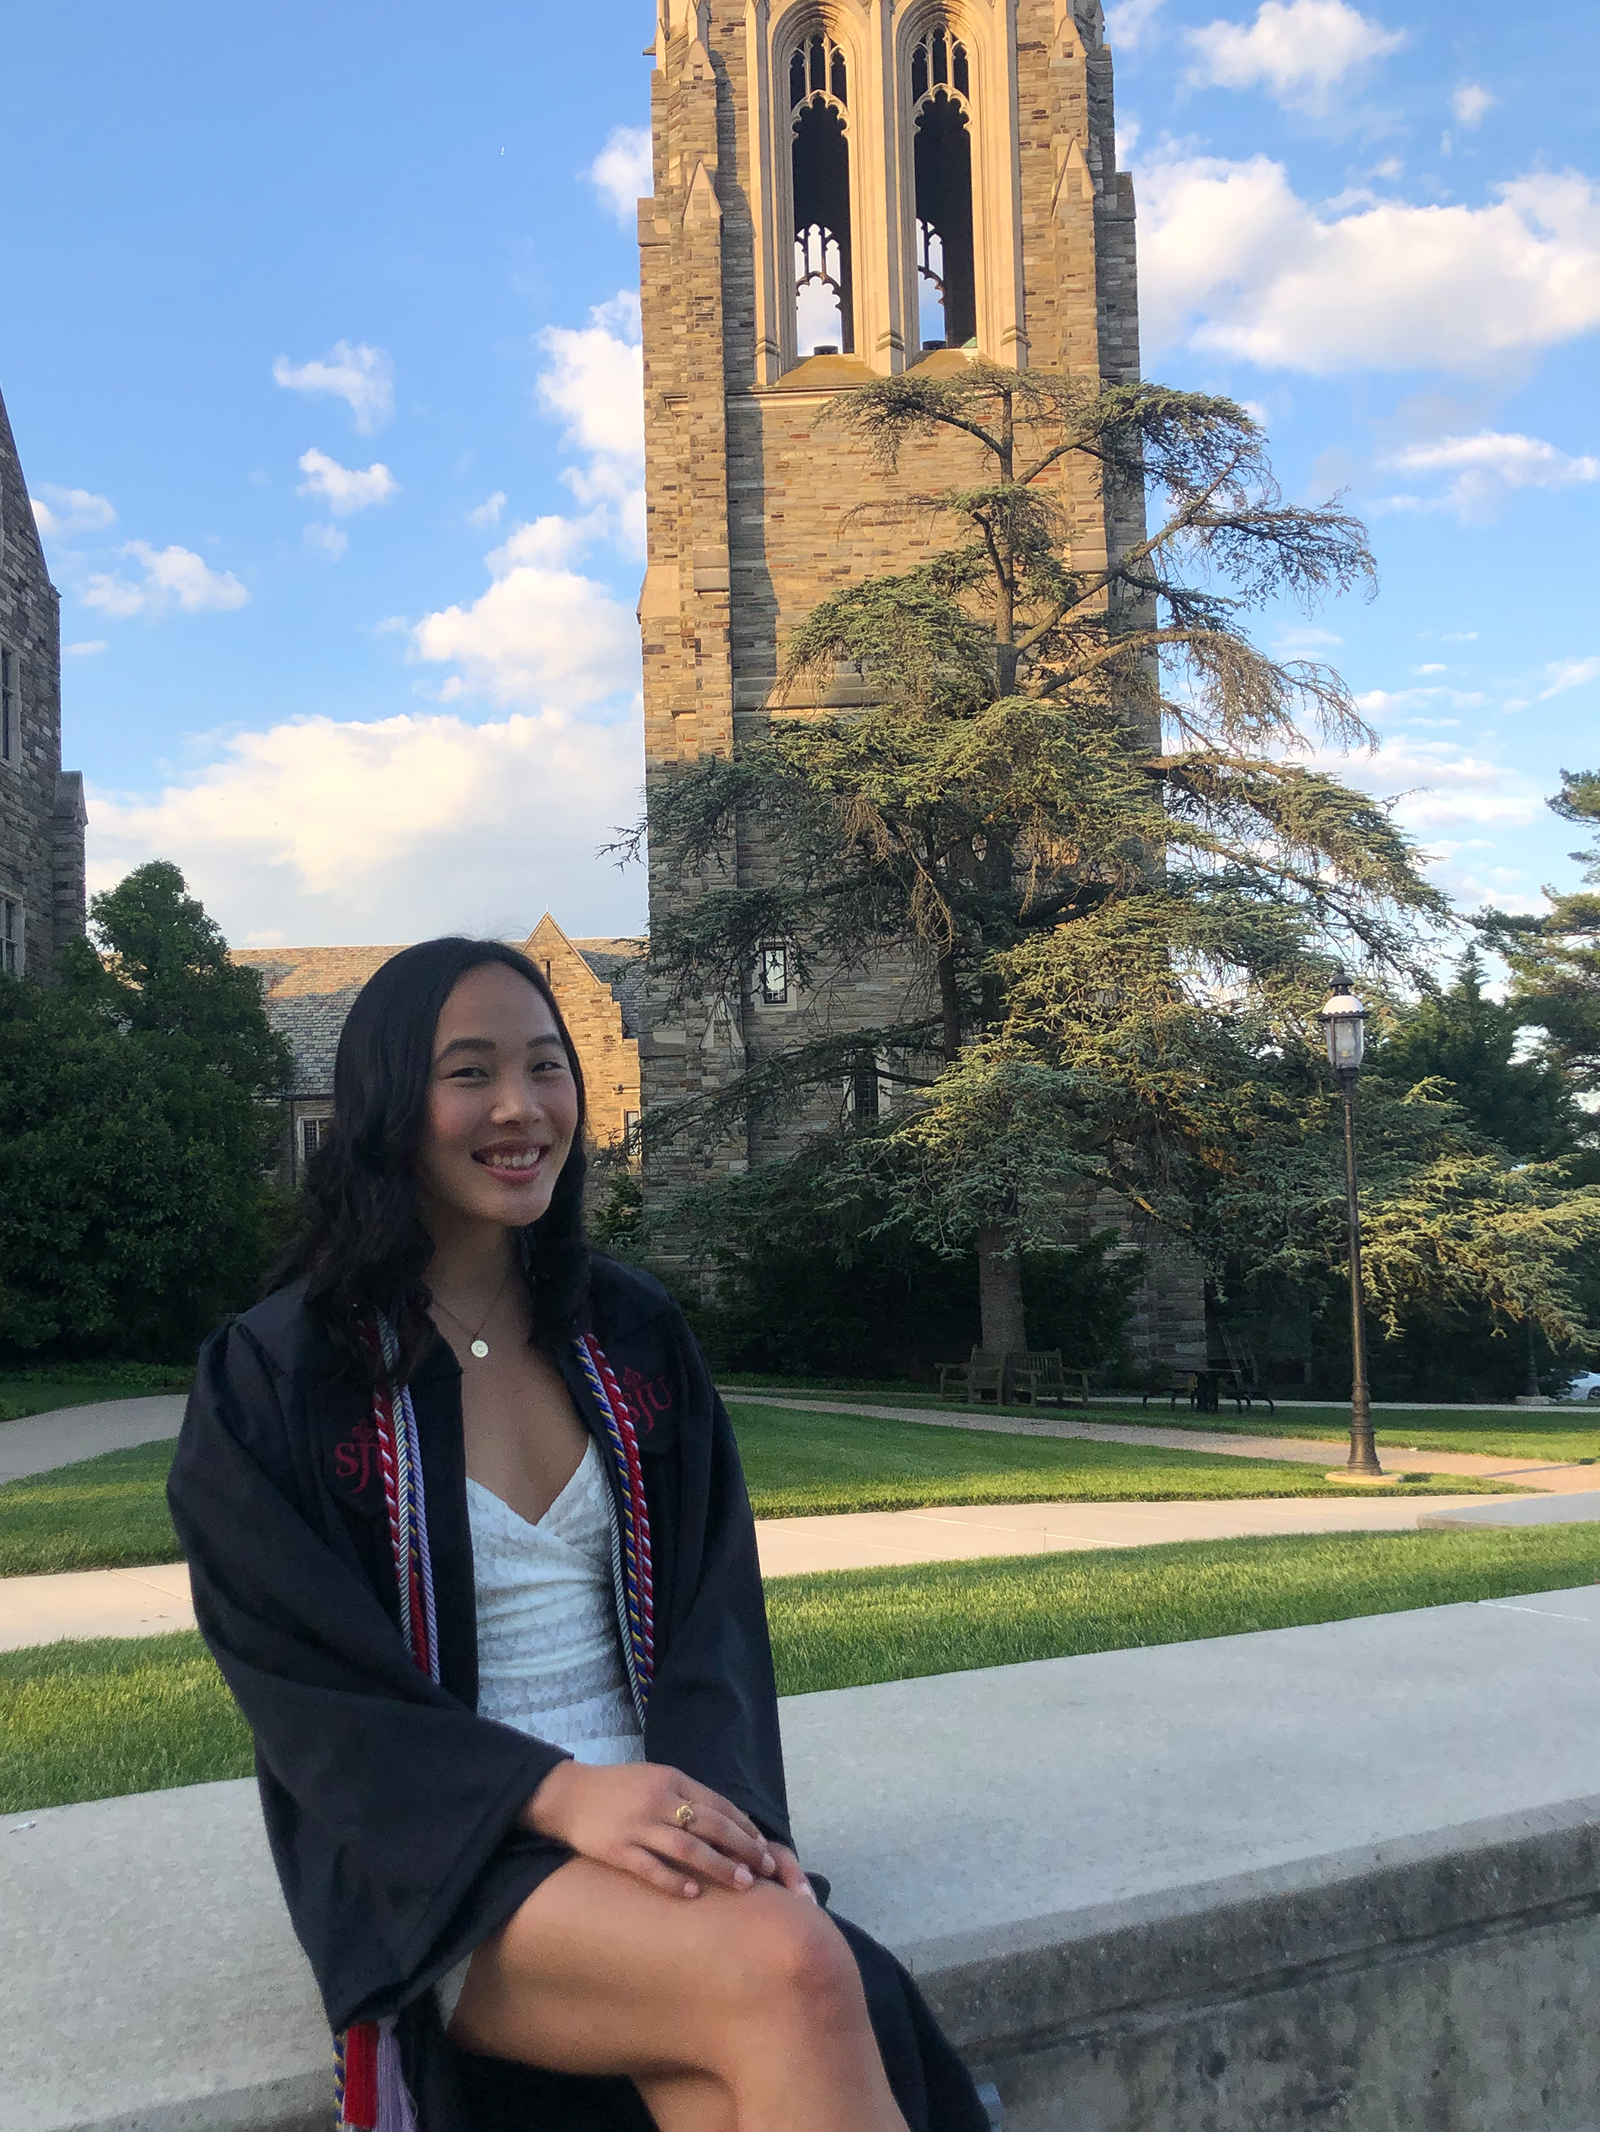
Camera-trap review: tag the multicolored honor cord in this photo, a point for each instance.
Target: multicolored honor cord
(638, 1593)
(369, 2077)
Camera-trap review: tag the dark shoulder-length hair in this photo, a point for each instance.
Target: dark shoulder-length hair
(361, 1246)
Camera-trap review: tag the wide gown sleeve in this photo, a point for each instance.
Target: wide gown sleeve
(714, 1708)
(387, 1800)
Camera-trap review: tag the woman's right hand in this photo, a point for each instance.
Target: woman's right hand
(629, 1817)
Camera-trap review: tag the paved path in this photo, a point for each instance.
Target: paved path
(62, 1437)
(149, 1602)
(94, 1602)
(1545, 1475)
(873, 1539)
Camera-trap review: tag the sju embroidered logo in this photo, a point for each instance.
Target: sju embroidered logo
(650, 1399)
(355, 1461)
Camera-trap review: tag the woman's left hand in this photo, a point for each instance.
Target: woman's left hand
(789, 1874)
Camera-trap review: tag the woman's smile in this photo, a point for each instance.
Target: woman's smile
(516, 1163)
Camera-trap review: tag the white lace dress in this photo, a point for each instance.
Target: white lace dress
(549, 1651)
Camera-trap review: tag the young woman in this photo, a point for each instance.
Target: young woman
(470, 1543)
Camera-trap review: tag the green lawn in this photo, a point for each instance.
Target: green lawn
(93, 1720)
(110, 1512)
(1545, 1432)
(845, 1628)
(103, 1513)
(41, 1391)
(806, 1465)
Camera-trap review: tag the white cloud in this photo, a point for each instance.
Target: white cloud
(1441, 784)
(345, 489)
(542, 634)
(1404, 703)
(60, 513)
(1232, 259)
(357, 373)
(169, 577)
(621, 172)
(488, 512)
(595, 385)
(327, 540)
(1299, 51)
(1433, 667)
(1130, 22)
(393, 830)
(1485, 466)
(1469, 104)
(1569, 673)
(89, 648)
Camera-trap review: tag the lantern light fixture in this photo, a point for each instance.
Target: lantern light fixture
(1344, 1026)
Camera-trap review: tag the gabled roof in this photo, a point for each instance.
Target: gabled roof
(16, 512)
(310, 991)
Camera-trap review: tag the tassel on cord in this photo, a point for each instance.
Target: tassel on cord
(358, 2078)
(395, 2113)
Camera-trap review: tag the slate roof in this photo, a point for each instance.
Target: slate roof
(619, 965)
(311, 990)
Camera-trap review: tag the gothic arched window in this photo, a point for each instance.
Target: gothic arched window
(941, 113)
(820, 166)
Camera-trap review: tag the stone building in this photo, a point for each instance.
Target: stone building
(42, 815)
(309, 992)
(845, 189)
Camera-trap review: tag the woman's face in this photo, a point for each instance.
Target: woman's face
(502, 1104)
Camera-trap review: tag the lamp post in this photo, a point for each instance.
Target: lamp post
(1343, 1020)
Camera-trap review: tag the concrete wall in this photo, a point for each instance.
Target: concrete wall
(1344, 1876)
(1443, 1987)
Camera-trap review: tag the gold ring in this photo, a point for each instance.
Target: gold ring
(685, 1815)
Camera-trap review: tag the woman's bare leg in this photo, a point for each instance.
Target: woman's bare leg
(687, 2102)
(756, 1993)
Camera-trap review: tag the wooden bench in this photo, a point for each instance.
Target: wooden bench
(982, 1372)
(1038, 1376)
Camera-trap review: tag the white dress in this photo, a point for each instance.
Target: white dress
(549, 1652)
(549, 1647)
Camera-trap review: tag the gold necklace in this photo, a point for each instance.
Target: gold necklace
(478, 1344)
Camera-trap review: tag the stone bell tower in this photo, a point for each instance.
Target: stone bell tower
(843, 189)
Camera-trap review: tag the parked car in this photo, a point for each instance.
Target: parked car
(1585, 1387)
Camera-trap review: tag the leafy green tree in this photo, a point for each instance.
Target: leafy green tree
(1075, 810)
(810, 1282)
(136, 1127)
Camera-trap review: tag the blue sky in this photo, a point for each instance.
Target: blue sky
(320, 349)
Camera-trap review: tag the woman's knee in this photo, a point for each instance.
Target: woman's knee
(788, 1957)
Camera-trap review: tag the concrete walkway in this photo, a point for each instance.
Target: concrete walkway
(60, 1438)
(1546, 1475)
(94, 1602)
(150, 1602)
(875, 1539)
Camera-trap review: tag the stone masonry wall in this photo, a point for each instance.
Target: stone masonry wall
(751, 498)
(41, 807)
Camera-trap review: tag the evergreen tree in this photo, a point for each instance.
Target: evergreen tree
(1555, 960)
(1075, 810)
(1462, 1037)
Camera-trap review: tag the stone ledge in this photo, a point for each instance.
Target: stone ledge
(1348, 1873)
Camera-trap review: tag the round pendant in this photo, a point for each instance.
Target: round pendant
(480, 1348)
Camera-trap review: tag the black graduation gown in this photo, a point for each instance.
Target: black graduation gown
(389, 1803)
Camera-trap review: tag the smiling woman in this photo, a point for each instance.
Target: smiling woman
(498, 1632)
